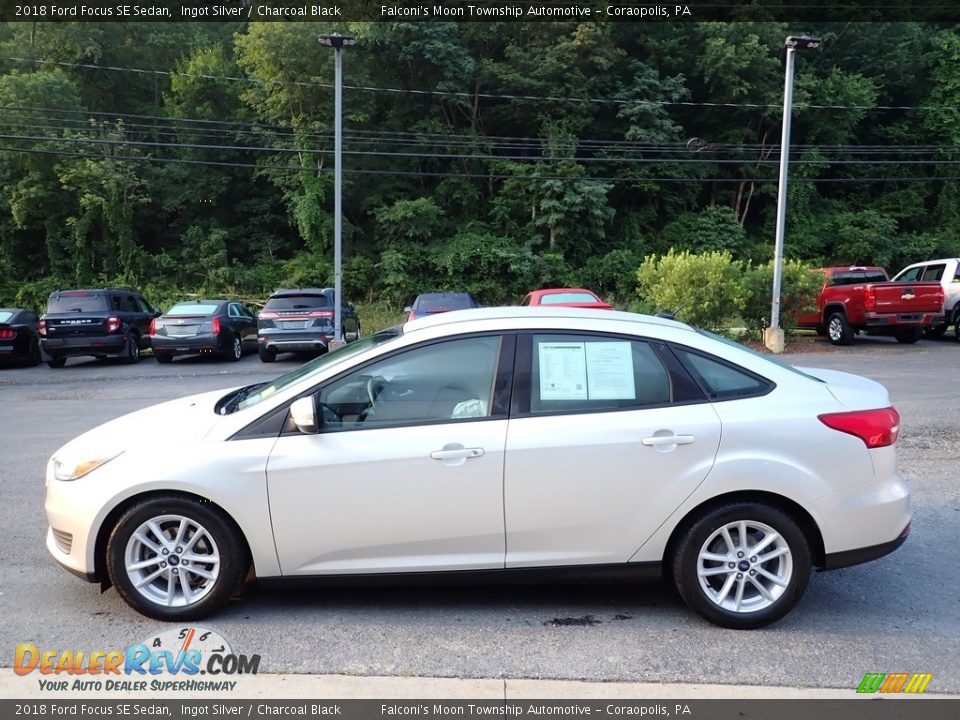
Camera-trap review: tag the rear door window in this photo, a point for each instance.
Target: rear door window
(721, 380)
(77, 302)
(933, 273)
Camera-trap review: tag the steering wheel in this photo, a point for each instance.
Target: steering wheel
(375, 385)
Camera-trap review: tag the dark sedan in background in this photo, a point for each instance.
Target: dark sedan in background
(439, 302)
(18, 336)
(223, 328)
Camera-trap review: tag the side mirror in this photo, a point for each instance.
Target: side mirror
(304, 414)
(408, 309)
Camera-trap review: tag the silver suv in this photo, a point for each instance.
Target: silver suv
(301, 320)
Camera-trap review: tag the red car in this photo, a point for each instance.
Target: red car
(566, 297)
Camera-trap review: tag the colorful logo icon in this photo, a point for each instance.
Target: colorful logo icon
(894, 682)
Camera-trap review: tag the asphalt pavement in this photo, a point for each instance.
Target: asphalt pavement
(899, 613)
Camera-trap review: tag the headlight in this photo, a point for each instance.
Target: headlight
(72, 469)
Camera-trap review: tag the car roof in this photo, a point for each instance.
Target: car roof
(93, 291)
(932, 262)
(13, 309)
(454, 293)
(521, 313)
(211, 301)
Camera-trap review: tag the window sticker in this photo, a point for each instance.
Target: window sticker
(610, 371)
(563, 370)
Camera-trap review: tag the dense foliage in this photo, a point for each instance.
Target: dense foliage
(489, 157)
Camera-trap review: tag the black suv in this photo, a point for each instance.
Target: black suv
(301, 320)
(108, 321)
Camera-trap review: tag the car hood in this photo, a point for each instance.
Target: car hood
(176, 422)
(853, 391)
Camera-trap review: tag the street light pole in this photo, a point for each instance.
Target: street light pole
(337, 41)
(773, 337)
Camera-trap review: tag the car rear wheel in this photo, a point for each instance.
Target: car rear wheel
(132, 356)
(267, 355)
(162, 357)
(909, 336)
(935, 331)
(839, 330)
(56, 362)
(743, 565)
(173, 558)
(235, 351)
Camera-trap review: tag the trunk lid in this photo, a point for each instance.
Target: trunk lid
(852, 391)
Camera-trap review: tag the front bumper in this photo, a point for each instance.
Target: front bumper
(89, 345)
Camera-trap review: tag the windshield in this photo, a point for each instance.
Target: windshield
(567, 297)
(76, 302)
(191, 309)
(259, 393)
(778, 363)
(297, 302)
(430, 303)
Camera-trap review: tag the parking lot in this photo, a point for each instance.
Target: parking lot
(900, 613)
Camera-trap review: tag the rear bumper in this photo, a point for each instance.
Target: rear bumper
(186, 345)
(88, 345)
(294, 342)
(833, 561)
(892, 320)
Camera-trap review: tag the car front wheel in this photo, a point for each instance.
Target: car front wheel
(743, 565)
(173, 558)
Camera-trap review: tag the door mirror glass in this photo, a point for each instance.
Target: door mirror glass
(304, 415)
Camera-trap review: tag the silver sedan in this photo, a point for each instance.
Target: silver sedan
(505, 442)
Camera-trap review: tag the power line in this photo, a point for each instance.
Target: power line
(485, 96)
(480, 176)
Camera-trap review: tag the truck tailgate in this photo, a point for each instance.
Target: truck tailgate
(908, 297)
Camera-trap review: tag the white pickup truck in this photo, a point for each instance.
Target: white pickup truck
(947, 273)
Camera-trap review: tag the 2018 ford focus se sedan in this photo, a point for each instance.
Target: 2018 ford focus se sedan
(506, 441)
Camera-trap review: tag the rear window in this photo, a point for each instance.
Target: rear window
(443, 302)
(192, 309)
(569, 297)
(297, 302)
(76, 302)
(5, 316)
(873, 276)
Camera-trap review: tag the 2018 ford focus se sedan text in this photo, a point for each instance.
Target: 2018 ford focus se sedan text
(506, 442)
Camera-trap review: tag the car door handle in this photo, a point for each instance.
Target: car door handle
(457, 453)
(658, 440)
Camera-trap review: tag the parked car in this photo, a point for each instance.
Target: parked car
(566, 297)
(222, 327)
(18, 336)
(947, 273)
(103, 322)
(497, 443)
(432, 303)
(301, 320)
(862, 299)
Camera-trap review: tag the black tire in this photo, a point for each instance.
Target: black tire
(56, 362)
(908, 336)
(228, 543)
(266, 355)
(132, 355)
(794, 566)
(162, 357)
(33, 354)
(838, 329)
(234, 351)
(935, 331)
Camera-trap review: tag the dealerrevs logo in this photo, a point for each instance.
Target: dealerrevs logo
(170, 661)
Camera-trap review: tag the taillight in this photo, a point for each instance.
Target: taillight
(267, 315)
(411, 316)
(320, 313)
(7, 334)
(870, 298)
(42, 326)
(215, 324)
(877, 428)
(153, 326)
(113, 324)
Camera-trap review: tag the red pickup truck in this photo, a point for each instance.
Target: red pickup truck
(861, 299)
